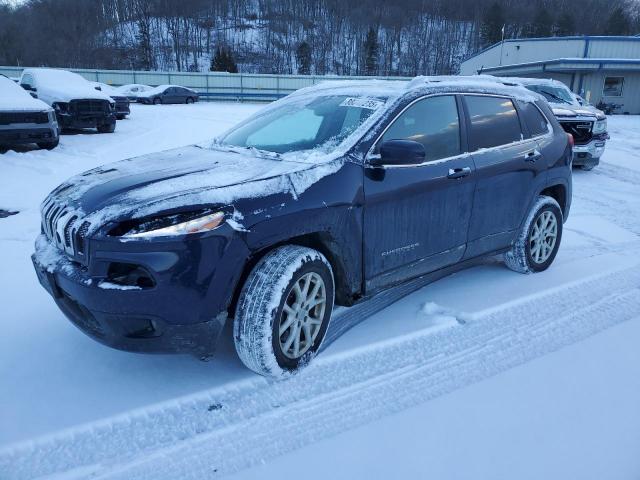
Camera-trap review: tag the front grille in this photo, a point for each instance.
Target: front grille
(64, 228)
(89, 107)
(8, 118)
(580, 130)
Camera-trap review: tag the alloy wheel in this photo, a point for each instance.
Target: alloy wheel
(543, 237)
(302, 315)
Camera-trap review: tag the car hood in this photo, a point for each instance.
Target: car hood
(566, 110)
(178, 179)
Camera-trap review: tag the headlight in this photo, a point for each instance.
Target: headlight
(61, 107)
(52, 115)
(164, 227)
(600, 126)
(112, 106)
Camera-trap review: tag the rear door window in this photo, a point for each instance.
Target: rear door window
(433, 122)
(534, 120)
(494, 121)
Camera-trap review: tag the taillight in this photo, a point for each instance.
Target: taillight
(571, 140)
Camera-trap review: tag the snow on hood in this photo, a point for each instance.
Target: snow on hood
(15, 98)
(64, 86)
(567, 110)
(188, 176)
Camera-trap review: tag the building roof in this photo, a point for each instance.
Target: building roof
(603, 38)
(569, 65)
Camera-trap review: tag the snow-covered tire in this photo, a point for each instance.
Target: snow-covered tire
(524, 257)
(260, 313)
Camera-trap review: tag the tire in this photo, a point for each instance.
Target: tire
(120, 117)
(157, 101)
(107, 128)
(261, 310)
(588, 168)
(189, 100)
(48, 145)
(531, 255)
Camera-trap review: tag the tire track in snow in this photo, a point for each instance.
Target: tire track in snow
(258, 419)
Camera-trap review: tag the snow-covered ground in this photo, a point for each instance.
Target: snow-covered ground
(484, 374)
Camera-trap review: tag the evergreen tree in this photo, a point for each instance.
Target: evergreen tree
(565, 25)
(303, 57)
(492, 24)
(371, 50)
(223, 61)
(619, 23)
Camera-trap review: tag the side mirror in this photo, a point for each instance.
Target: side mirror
(33, 94)
(400, 152)
(99, 88)
(28, 87)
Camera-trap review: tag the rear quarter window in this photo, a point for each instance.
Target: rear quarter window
(494, 121)
(534, 120)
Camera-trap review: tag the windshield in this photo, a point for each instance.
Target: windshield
(304, 125)
(553, 94)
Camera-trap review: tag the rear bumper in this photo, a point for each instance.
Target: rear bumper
(17, 135)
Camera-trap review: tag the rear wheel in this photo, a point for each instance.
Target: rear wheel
(157, 101)
(189, 100)
(539, 239)
(284, 310)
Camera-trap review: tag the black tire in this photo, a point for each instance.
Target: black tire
(256, 328)
(190, 100)
(157, 101)
(520, 258)
(120, 117)
(49, 145)
(588, 168)
(107, 128)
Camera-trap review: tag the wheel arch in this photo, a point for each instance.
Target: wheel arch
(320, 241)
(558, 192)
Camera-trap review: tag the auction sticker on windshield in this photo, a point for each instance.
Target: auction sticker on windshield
(368, 103)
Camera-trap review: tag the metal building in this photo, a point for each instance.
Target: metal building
(597, 68)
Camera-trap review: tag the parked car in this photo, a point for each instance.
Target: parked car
(76, 102)
(24, 119)
(327, 197)
(168, 94)
(586, 123)
(132, 91)
(122, 102)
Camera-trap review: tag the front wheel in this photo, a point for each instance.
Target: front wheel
(538, 242)
(157, 101)
(107, 128)
(49, 145)
(284, 310)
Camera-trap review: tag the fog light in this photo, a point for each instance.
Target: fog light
(130, 275)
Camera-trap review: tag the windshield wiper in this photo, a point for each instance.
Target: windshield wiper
(554, 96)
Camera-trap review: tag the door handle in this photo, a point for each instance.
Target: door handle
(459, 172)
(532, 156)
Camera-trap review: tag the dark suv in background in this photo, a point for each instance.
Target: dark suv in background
(326, 197)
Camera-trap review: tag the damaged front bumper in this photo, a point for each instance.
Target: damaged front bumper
(182, 309)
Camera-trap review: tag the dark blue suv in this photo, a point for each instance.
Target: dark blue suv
(324, 198)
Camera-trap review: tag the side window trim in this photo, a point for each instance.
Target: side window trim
(462, 132)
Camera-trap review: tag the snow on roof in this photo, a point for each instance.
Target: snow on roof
(53, 75)
(14, 98)
(426, 84)
(532, 81)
